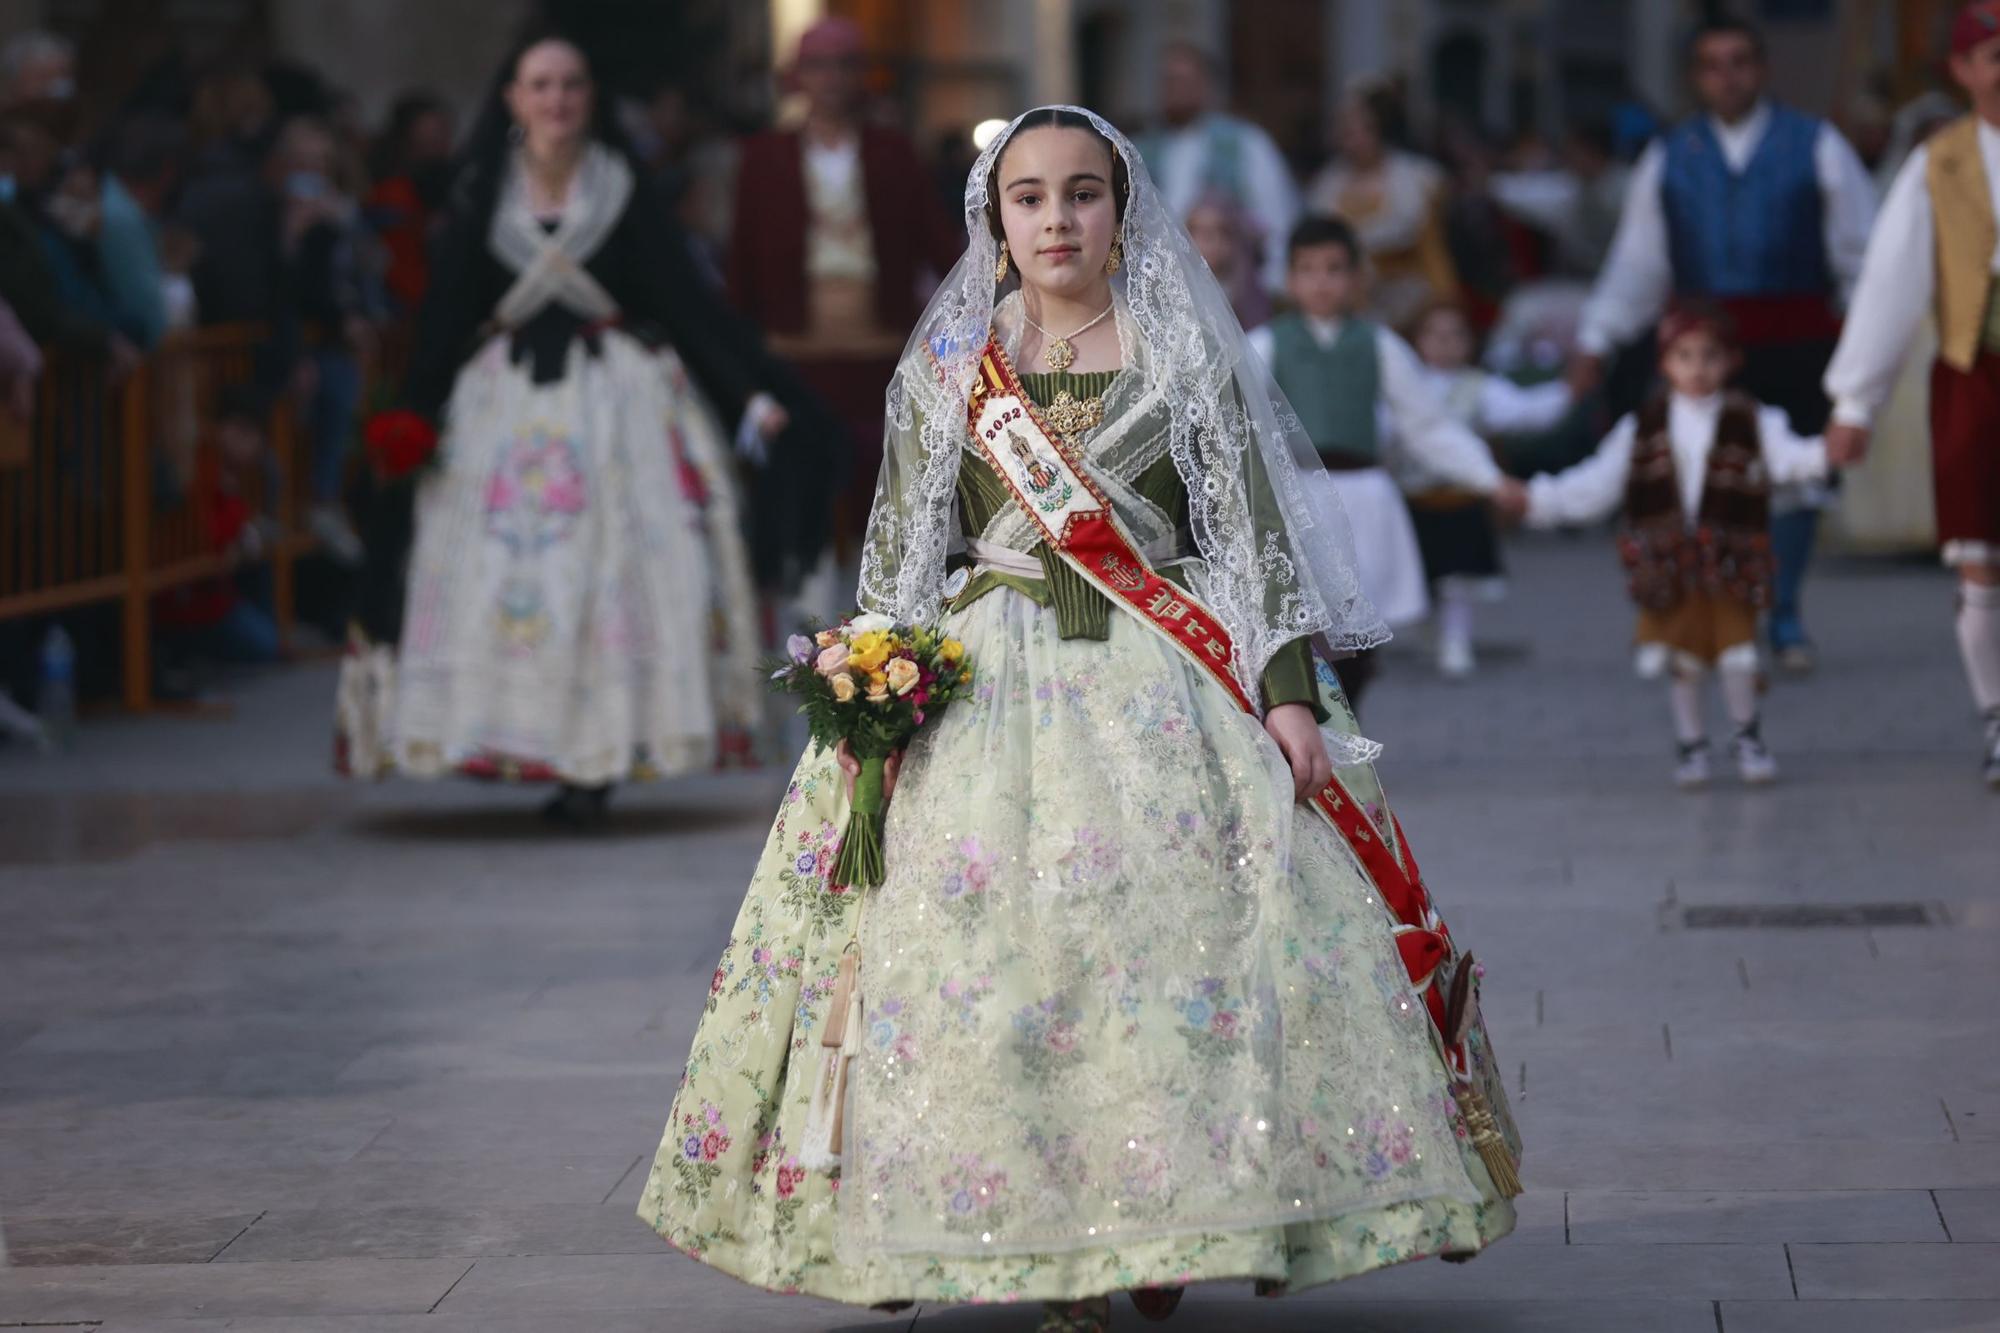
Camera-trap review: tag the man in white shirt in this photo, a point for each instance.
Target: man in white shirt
(1764, 211)
(1935, 250)
(1199, 150)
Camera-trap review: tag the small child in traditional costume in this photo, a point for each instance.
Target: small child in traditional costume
(1934, 251)
(1455, 528)
(1693, 471)
(1360, 396)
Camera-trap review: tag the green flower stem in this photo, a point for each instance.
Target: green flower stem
(859, 864)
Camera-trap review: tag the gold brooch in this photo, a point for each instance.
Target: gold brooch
(1070, 416)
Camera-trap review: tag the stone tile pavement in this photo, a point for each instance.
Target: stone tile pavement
(279, 1055)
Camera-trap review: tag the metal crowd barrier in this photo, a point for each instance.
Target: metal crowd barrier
(98, 502)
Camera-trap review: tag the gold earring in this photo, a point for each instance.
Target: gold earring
(1116, 259)
(1000, 268)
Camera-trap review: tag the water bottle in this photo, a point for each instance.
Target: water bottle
(55, 703)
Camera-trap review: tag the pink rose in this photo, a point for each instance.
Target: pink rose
(831, 659)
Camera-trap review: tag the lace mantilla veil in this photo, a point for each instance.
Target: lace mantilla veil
(1279, 554)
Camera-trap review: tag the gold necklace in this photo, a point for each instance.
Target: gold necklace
(1070, 416)
(1057, 353)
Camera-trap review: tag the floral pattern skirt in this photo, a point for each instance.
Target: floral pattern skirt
(1131, 1016)
(579, 600)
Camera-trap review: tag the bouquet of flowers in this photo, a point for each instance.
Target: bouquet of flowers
(872, 683)
(399, 442)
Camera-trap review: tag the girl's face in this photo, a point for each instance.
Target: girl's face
(1056, 209)
(550, 97)
(1444, 340)
(1697, 364)
(1214, 237)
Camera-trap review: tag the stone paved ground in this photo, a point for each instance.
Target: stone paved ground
(277, 1054)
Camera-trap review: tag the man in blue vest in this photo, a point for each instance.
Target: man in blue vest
(1765, 211)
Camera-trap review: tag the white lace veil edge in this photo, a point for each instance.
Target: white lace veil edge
(1277, 546)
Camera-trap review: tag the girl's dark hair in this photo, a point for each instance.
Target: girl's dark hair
(1059, 118)
(482, 164)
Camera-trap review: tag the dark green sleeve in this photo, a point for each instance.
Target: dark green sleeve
(1289, 679)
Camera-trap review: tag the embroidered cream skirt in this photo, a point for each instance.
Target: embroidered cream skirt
(579, 601)
(1131, 1016)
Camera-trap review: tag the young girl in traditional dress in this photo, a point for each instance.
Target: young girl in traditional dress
(578, 604)
(1692, 473)
(1454, 526)
(1130, 1016)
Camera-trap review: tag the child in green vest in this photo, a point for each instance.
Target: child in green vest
(1360, 395)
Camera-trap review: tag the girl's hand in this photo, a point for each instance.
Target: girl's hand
(893, 765)
(1296, 731)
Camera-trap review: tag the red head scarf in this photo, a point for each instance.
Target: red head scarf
(1976, 24)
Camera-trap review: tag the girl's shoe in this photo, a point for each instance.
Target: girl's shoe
(1691, 769)
(1090, 1315)
(1754, 763)
(578, 808)
(1992, 766)
(1157, 1303)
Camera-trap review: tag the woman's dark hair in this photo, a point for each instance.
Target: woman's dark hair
(482, 166)
(1323, 229)
(392, 150)
(1057, 118)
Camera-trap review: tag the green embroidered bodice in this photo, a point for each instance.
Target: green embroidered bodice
(1082, 612)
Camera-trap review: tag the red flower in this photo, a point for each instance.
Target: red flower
(715, 986)
(788, 1181)
(711, 1146)
(399, 442)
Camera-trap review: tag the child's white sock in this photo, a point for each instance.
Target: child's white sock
(1684, 694)
(1455, 612)
(1979, 641)
(1739, 689)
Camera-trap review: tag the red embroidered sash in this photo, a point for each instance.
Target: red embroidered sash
(1077, 522)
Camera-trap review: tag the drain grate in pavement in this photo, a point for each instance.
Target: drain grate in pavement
(1795, 916)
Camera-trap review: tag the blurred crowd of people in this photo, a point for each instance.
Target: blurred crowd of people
(259, 195)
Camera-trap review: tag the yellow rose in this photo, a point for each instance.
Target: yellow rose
(826, 638)
(902, 673)
(869, 651)
(878, 693)
(951, 650)
(843, 687)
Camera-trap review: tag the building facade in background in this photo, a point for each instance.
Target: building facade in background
(1509, 66)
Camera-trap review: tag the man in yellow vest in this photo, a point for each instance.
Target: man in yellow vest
(1936, 247)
